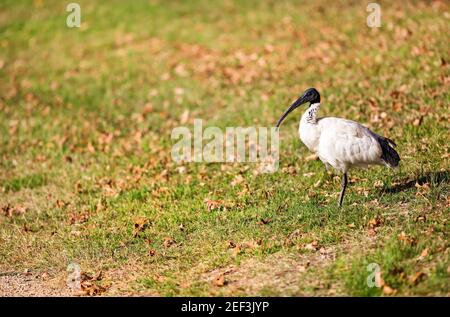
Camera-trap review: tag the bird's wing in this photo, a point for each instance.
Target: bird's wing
(348, 142)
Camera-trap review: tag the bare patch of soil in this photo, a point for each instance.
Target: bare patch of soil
(31, 285)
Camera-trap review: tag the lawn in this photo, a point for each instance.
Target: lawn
(87, 177)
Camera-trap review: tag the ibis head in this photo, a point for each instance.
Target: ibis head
(310, 95)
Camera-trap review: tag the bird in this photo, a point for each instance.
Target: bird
(340, 143)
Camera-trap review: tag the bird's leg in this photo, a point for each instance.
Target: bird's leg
(343, 187)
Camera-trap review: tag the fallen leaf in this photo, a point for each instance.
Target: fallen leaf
(75, 233)
(252, 244)
(378, 184)
(213, 204)
(140, 223)
(60, 203)
(184, 117)
(8, 210)
(168, 242)
(372, 232)
(237, 250)
(92, 289)
(160, 278)
(311, 157)
(375, 222)
(45, 275)
(237, 180)
(301, 268)
(406, 239)
(27, 228)
(416, 278)
(423, 255)
(75, 218)
(98, 276)
(219, 280)
(313, 246)
(265, 221)
(418, 121)
(89, 284)
(231, 244)
(387, 290)
(90, 148)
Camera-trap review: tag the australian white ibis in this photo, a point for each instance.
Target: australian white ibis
(341, 143)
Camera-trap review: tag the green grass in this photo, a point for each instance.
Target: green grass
(85, 124)
(30, 181)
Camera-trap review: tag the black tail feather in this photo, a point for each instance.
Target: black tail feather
(389, 155)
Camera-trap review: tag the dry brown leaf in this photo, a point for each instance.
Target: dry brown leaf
(160, 278)
(75, 218)
(406, 239)
(9, 210)
(378, 184)
(92, 289)
(265, 221)
(237, 250)
(313, 246)
(417, 121)
(98, 276)
(252, 244)
(45, 275)
(140, 223)
(416, 278)
(219, 280)
(60, 203)
(311, 157)
(230, 244)
(237, 180)
(214, 204)
(387, 290)
(27, 228)
(90, 286)
(90, 148)
(148, 108)
(372, 232)
(168, 242)
(423, 255)
(301, 268)
(184, 118)
(374, 222)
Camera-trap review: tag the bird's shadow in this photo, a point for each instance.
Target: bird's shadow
(434, 178)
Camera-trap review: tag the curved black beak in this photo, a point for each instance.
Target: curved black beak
(296, 104)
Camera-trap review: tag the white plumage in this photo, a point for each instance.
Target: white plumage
(341, 143)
